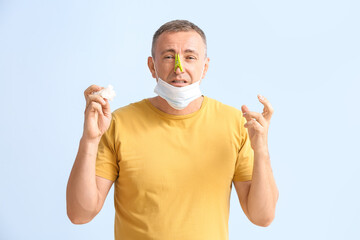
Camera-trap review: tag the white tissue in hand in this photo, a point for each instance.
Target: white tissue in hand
(107, 93)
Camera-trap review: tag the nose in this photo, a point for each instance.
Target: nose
(178, 64)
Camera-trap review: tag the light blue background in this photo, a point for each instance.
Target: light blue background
(304, 56)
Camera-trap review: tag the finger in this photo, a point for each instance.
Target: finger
(257, 116)
(249, 115)
(268, 109)
(94, 107)
(96, 98)
(106, 108)
(253, 124)
(90, 90)
(244, 109)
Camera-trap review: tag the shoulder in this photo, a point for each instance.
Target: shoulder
(226, 115)
(222, 108)
(131, 109)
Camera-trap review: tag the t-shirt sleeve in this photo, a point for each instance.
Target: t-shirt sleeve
(106, 160)
(245, 159)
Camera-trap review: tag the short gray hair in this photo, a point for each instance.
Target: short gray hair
(177, 26)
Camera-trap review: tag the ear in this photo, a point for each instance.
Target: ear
(206, 67)
(151, 67)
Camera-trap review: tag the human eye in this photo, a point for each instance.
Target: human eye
(168, 57)
(191, 57)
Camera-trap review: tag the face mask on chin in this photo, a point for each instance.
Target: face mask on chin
(177, 97)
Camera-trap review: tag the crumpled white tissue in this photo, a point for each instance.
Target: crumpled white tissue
(107, 92)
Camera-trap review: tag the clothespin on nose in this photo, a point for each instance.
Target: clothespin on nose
(177, 63)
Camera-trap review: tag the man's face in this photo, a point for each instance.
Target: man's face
(191, 49)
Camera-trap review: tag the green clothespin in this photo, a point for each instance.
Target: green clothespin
(177, 63)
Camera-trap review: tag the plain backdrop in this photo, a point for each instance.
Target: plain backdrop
(304, 56)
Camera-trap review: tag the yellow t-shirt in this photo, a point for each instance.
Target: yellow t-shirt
(173, 174)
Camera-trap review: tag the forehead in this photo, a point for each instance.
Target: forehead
(183, 40)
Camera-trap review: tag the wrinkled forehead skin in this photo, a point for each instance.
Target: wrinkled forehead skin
(180, 41)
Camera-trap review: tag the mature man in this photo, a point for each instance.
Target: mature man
(173, 157)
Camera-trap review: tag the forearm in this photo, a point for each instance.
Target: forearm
(82, 192)
(263, 192)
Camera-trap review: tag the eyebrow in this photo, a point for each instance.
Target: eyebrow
(168, 50)
(191, 51)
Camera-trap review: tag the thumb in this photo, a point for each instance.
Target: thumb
(244, 108)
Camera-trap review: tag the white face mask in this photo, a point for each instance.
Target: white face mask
(177, 97)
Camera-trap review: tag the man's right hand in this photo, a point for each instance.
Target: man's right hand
(97, 114)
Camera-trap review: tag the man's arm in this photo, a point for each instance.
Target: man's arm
(258, 197)
(86, 192)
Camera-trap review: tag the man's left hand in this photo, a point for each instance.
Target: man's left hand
(258, 124)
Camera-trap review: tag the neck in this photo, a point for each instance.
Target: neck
(162, 105)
